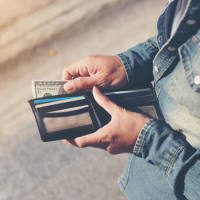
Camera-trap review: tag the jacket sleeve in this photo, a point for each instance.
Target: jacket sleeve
(138, 62)
(179, 162)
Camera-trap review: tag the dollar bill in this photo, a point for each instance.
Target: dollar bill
(47, 88)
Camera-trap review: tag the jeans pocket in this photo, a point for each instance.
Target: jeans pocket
(190, 57)
(124, 178)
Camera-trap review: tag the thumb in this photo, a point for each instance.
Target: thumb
(96, 139)
(80, 83)
(104, 101)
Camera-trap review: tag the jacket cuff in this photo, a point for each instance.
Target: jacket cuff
(159, 145)
(126, 65)
(140, 142)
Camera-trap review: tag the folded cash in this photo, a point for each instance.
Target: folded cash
(47, 88)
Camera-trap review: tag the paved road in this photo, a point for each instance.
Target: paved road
(25, 24)
(30, 169)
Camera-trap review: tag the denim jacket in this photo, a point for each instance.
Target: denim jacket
(165, 163)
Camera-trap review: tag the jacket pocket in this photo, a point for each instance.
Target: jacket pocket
(190, 57)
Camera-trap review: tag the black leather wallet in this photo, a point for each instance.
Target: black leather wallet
(69, 116)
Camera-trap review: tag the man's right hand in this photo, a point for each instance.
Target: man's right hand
(102, 71)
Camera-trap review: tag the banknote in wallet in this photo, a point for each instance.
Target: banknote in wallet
(68, 116)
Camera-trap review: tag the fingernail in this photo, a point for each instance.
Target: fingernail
(64, 142)
(95, 89)
(68, 87)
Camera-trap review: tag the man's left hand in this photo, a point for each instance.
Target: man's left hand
(119, 135)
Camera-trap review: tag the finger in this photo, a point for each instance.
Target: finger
(103, 145)
(77, 69)
(96, 139)
(66, 75)
(70, 72)
(104, 101)
(65, 142)
(72, 142)
(80, 83)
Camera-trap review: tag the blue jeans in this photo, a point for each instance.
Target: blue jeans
(143, 181)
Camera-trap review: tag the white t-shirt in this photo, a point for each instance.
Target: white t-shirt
(179, 13)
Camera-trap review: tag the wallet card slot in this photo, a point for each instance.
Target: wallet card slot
(124, 102)
(130, 92)
(129, 97)
(53, 101)
(66, 114)
(138, 101)
(59, 123)
(63, 106)
(69, 109)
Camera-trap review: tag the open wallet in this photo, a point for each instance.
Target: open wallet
(69, 116)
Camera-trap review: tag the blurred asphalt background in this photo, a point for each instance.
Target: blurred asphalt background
(37, 40)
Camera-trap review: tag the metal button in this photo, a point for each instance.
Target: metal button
(197, 80)
(194, 39)
(171, 48)
(191, 21)
(160, 39)
(156, 69)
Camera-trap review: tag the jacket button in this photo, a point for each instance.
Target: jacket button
(160, 39)
(197, 80)
(191, 22)
(171, 48)
(156, 69)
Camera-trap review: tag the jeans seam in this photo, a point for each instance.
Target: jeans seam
(173, 159)
(124, 183)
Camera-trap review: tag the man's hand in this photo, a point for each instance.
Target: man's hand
(101, 71)
(119, 135)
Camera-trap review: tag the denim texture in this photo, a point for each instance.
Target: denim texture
(165, 163)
